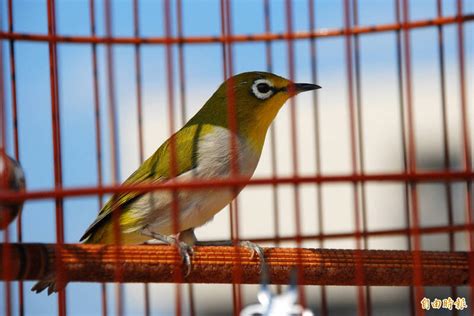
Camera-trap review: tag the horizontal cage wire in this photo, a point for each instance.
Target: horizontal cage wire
(362, 198)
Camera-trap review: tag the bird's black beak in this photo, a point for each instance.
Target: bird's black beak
(301, 87)
(294, 88)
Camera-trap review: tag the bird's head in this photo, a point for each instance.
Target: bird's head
(256, 98)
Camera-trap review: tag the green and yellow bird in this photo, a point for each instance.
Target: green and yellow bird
(203, 152)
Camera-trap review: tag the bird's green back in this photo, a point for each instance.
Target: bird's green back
(157, 168)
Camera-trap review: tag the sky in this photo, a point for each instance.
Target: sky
(203, 64)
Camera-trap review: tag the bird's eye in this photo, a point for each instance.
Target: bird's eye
(262, 89)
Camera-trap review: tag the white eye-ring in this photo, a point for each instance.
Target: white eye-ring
(262, 89)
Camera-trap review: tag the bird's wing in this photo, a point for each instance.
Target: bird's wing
(157, 168)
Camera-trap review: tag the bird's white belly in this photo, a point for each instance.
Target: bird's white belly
(198, 206)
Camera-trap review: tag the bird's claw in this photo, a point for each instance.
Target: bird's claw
(186, 252)
(254, 249)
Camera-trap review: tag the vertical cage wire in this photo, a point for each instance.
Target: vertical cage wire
(401, 93)
(138, 83)
(56, 129)
(411, 150)
(467, 163)
(3, 182)
(362, 308)
(317, 144)
(114, 149)
(16, 150)
(359, 123)
(98, 128)
(184, 116)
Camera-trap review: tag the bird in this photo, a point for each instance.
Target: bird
(205, 148)
(12, 178)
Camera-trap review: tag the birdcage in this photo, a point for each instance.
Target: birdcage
(364, 188)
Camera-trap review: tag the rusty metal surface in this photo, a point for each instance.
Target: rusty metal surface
(236, 38)
(157, 263)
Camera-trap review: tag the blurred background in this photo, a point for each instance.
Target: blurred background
(331, 211)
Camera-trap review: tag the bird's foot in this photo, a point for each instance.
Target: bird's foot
(253, 247)
(184, 250)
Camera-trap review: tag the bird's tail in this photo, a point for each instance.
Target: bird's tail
(48, 283)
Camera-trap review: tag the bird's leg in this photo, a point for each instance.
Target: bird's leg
(188, 236)
(185, 250)
(253, 247)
